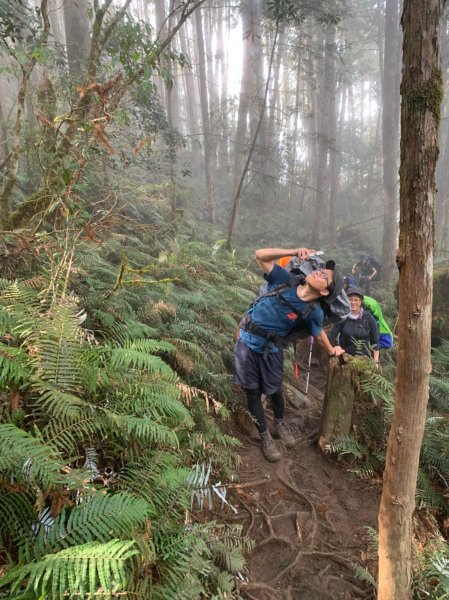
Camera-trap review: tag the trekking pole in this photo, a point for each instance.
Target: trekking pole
(310, 362)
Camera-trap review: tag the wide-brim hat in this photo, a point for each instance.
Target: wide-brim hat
(337, 284)
(354, 291)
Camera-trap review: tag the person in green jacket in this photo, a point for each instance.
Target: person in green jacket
(385, 333)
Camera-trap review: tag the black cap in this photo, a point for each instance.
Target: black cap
(337, 285)
(354, 291)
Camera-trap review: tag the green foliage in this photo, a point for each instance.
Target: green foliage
(362, 574)
(89, 571)
(110, 411)
(28, 458)
(97, 519)
(368, 443)
(432, 575)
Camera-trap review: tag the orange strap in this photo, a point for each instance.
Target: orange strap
(284, 261)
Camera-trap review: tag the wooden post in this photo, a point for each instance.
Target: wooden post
(336, 418)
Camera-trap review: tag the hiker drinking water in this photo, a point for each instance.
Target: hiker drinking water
(359, 333)
(259, 357)
(365, 271)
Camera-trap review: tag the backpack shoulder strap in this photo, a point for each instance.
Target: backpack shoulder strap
(277, 292)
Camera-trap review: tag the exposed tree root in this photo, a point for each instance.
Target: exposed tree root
(272, 592)
(251, 514)
(313, 517)
(355, 589)
(290, 525)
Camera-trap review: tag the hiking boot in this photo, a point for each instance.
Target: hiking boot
(282, 431)
(269, 449)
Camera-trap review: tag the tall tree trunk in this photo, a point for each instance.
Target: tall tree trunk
(272, 169)
(10, 179)
(204, 102)
(209, 26)
(4, 147)
(246, 84)
(77, 36)
(334, 162)
(162, 30)
(191, 100)
(291, 169)
(222, 56)
(442, 175)
(238, 191)
(390, 132)
(256, 106)
(321, 178)
(422, 92)
(56, 16)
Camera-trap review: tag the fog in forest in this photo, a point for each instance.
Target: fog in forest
(270, 127)
(147, 149)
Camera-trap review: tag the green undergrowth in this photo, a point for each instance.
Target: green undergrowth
(366, 449)
(115, 354)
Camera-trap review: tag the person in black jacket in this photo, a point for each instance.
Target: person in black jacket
(358, 335)
(364, 271)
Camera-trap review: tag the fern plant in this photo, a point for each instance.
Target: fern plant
(368, 444)
(431, 578)
(99, 438)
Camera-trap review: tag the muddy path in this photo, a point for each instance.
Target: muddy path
(306, 514)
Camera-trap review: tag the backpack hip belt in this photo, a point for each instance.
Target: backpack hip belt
(273, 338)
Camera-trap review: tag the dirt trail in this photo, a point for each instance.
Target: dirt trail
(306, 514)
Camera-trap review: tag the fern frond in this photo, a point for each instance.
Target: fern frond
(194, 332)
(193, 349)
(140, 400)
(427, 495)
(142, 429)
(92, 570)
(377, 386)
(28, 458)
(439, 393)
(346, 444)
(56, 403)
(56, 346)
(14, 366)
(103, 516)
(125, 359)
(17, 512)
(362, 574)
(149, 346)
(107, 325)
(160, 480)
(68, 434)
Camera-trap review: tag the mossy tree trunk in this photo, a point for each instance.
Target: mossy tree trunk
(336, 417)
(421, 91)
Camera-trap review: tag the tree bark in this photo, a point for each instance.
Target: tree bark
(204, 102)
(4, 147)
(336, 417)
(421, 91)
(76, 24)
(11, 174)
(321, 177)
(334, 153)
(442, 174)
(390, 133)
(238, 191)
(191, 101)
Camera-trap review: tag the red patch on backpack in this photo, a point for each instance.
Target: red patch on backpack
(292, 316)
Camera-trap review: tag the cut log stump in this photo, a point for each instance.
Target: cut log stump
(336, 418)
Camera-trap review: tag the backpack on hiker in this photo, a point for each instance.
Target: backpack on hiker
(335, 306)
(385, 333)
